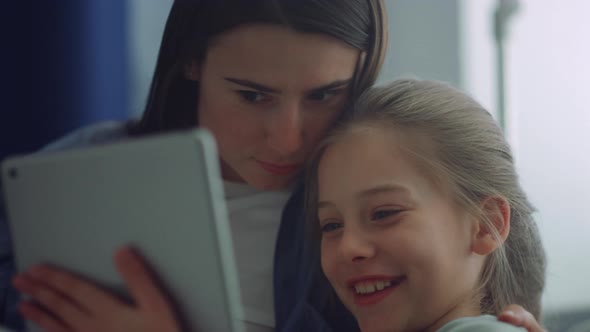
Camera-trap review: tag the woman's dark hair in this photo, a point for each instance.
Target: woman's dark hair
(193, 24)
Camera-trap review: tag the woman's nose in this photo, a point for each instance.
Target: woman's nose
(286, 129)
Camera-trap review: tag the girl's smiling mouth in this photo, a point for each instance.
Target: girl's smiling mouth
(369, 290)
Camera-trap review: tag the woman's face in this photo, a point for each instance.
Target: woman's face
(269, 94)
(394, 247)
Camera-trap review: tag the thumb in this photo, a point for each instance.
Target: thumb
(140, 280)
(516, 315)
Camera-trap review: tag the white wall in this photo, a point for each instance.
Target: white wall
(424, 40)
(548, 84)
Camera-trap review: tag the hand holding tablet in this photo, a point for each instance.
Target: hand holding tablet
(161, 194)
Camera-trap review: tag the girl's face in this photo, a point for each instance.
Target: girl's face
(269, 94)
(396, 249)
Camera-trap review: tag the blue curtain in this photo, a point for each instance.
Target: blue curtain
(79, 68)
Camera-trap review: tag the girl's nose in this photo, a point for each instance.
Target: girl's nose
(356, 245)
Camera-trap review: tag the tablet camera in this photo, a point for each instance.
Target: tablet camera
(13, 173)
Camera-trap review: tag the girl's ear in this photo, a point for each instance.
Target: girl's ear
(192, 71)
(497, 212)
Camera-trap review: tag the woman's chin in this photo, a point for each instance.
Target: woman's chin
(269, 182)
(272, 185)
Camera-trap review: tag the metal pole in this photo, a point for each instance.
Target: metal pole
(504, 10)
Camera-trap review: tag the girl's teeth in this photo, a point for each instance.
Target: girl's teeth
(380, 285)
(368, 288)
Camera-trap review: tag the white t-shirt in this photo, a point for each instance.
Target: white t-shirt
(255, 216)
(483, 323)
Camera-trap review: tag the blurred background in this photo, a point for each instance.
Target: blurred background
(527, 61)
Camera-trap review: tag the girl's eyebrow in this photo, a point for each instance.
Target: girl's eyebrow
(324, 204)
(380, 189)
(385, 188)
(263, 88)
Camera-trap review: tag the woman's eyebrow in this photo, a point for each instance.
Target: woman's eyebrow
(331, 86)
(252, 85)
(267, 89)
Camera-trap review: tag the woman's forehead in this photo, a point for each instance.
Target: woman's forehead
(278, 55)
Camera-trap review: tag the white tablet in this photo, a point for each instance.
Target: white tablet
(162, 194)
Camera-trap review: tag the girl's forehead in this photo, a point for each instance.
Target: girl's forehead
(385, 144)
(370, 158)
(406, 138)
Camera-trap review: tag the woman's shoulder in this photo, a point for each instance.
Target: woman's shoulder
(483, 323)
(95, 134)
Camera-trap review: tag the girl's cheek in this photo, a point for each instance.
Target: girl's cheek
(329, 260)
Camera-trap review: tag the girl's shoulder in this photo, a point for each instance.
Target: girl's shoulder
(483, 323)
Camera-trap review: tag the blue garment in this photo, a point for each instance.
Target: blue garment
(303, 300)
(9, 316)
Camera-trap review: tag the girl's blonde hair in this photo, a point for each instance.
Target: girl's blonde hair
(466, 150)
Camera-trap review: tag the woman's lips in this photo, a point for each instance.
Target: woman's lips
(278, 169)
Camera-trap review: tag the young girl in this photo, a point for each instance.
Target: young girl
(422, 222)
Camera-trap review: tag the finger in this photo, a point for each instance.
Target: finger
(60, 307)
(517, 315)
(49, 298)
(41, 318)
(90, 298)
(140, 280)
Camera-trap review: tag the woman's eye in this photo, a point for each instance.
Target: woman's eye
(323, 95)
(382, 214)
(252, 96)
(330, 227)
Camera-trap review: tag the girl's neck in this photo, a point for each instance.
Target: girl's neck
(458, 311)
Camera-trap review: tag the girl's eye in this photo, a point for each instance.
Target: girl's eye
(382, 214)
(330, 227)
(252, 96)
